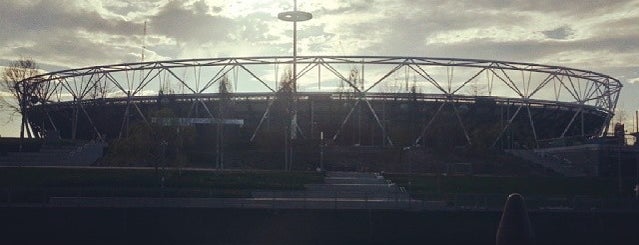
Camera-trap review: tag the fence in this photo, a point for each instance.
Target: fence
(215, 198)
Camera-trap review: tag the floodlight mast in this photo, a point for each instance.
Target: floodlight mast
(292, 16)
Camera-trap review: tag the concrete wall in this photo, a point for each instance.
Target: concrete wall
(252, 226)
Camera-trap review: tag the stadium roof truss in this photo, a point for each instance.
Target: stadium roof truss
(445, 79)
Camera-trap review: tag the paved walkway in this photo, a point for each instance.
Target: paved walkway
(340, 190)
(345, 185)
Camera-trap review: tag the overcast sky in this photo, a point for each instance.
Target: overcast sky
(602, 36)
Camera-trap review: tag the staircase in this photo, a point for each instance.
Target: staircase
(358, 185)
(351, 190)
(56, 155)
(85, 155)
(549, 161)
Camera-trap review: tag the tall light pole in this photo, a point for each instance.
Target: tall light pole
(292, 16)
(295, 16)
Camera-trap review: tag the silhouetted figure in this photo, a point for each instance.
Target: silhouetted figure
(514, 227)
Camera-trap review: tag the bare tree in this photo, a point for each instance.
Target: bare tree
(225, 86)
(99, 90)
(286, 84)
(476, 89)
(22, 93)
(11, 77)
(354, 80)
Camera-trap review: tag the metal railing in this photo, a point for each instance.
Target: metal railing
(212, 198)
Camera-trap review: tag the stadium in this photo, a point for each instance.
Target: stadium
(241, 109)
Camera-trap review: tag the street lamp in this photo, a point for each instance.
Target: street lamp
(293, 16)
(322, 145)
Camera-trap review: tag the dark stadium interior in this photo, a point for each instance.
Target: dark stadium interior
(404, 118)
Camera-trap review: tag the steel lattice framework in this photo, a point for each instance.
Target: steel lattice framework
(366, 79)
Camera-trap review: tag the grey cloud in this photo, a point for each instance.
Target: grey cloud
(254, 27)
(626, 75)
(190, 23)
(578, 7)
(20, 20)
(45, 66)
(574, 7)
(67, 50)
(399, 34)
(409, 33)
(560, 33)
(319, 38)
(352, 7)
(617, 44)
(428, 20)
(486, 48)
(315, 30)
(194, 24)
(59, 34)
(126, 7)
(618, 27)
(200, 7)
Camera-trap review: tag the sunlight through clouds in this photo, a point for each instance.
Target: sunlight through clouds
(597, 35)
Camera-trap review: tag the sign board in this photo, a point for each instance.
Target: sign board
(187, 121)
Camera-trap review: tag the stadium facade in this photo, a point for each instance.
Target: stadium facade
(253, 102)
